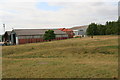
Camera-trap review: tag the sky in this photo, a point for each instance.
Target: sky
(43, 14)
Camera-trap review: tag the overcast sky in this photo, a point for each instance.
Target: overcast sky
(39, 14)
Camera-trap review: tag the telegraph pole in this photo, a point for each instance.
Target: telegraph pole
(4, 27)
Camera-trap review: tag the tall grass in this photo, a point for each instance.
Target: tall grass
(71, 58)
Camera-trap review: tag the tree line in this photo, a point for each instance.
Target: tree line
(110, 28)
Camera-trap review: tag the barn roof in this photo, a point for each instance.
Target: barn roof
(36, 31)
(78, 27)
(67, 30)
(64, 29)
(61, 29)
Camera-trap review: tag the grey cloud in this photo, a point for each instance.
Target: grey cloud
(73, 13)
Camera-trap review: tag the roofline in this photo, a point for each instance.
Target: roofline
(40, 34)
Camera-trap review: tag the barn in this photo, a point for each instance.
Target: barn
(23, 36)
(68, 31)
(79, 30)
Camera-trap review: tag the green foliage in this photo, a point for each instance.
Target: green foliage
(92, 29)
(110, 28)
(101, 29)
(49, 35)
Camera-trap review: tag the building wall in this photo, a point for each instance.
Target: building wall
(75, 32)
(37, 38)
(81, 31)
(0, 38)
(13, 36)
(70, 34)
(30, 39)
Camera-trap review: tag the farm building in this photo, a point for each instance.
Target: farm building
(22, 36)
(7, 36)
(68, 31)
(79, 30)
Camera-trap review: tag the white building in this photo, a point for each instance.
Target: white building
(79, 30)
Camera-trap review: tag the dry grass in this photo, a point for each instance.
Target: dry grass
(72, 58)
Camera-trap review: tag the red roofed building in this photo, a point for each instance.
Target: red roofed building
(23, 36)
(61, 29)
(68, 31)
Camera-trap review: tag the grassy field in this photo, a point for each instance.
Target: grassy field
(72, 58)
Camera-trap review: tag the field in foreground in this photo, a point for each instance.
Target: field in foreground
(71, 58)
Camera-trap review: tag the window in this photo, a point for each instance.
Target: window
(58, 36)
(81, 30)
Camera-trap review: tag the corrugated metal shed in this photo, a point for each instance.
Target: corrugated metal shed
(78, 27)
(79, 30)
(35, 31)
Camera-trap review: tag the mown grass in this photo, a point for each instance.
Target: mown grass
(71, 58)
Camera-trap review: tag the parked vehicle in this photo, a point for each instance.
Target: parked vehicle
(2, 44)
(7, 43)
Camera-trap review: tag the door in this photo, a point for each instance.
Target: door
(14, 38)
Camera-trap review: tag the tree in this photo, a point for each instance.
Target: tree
(49, 35)
(92, 30)
(110, 28)
(101, 29)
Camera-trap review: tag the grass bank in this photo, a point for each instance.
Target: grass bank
(71, 58)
